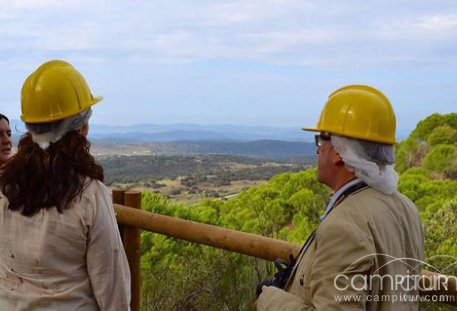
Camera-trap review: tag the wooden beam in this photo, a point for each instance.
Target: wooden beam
(228, 239)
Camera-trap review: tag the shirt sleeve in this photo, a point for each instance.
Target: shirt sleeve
(273, 298)
(106, 260)
(342, 258)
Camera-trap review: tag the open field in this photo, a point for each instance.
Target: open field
(192, 178)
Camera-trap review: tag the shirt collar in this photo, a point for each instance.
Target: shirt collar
(337, 195)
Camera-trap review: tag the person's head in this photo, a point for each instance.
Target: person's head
(330, 165)
(53, 160)
(357, 137)
(6, 144)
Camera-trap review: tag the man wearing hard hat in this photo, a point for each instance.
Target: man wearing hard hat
(367, 252)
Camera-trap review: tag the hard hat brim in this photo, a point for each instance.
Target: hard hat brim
(310, 129)
(385, 141)
(96, 99)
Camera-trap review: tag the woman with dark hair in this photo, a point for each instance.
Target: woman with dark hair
(5, 140)
(61, 248)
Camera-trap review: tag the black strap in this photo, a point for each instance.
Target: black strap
(346, 193)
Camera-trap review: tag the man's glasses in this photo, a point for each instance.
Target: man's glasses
(320, 138)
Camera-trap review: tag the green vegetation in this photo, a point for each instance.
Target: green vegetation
(428, 162)
(192, 178)
(202, 278)
(218, 168)
(433, 145)
(287, 207)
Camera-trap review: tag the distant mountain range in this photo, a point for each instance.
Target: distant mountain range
(194, 132)
(276, 143)
(142, 133)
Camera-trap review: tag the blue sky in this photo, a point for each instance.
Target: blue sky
(250, 62)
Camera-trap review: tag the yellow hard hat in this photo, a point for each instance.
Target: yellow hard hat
(55, 91)
(358, 111)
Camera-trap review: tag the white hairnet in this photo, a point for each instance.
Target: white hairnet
(46, 133)
(370, 161)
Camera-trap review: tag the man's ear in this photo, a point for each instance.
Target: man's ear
(336, 158)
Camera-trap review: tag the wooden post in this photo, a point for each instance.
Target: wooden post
(118, 198)
(132, 241)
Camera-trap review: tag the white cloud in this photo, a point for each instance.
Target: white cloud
(348, 40)
(275, 31)
(438, 22)
(426, 27)
(19, 7)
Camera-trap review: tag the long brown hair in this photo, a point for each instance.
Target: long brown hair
(35, 178)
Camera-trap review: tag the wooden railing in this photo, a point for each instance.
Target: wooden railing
(132, 219)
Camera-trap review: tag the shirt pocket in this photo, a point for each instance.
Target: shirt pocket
(301, 285)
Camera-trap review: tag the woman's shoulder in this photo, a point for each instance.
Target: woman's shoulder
(94, 196)
(94, 188)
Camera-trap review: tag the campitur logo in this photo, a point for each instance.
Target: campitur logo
(401, 283)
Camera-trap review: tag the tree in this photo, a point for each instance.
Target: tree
(443, 134)
(440, 226)
(410, 153)
(424, 190)
(442, 159)
(425, 127)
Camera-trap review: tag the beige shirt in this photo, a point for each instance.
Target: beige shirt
(368, 234)
(64, 261)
